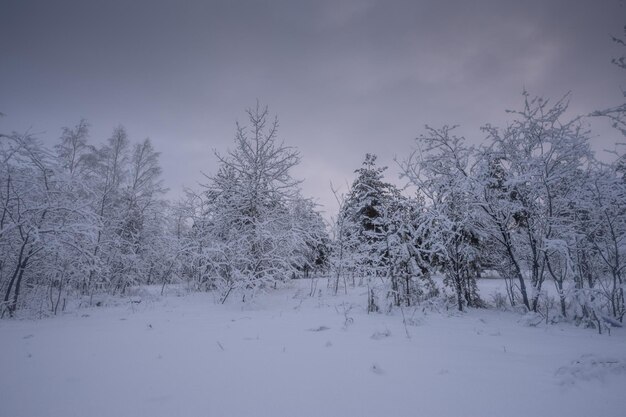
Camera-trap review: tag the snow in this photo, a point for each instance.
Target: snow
(288, 354)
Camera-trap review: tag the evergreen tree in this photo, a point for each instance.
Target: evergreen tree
(364, 206)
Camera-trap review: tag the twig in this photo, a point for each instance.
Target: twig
(406, 330)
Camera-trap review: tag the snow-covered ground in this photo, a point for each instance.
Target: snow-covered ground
(288, 354)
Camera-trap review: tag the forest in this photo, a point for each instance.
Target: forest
(531, 205)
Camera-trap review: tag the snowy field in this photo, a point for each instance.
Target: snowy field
(288, 354)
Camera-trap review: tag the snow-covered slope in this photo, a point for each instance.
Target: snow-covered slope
(288, 354)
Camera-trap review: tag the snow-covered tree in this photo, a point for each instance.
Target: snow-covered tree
(310, 234)
(407, 258)
(142, 217)
(500, 213)
(440, 170)
(44, 226)
(600, 251)
(379, 240)
(545, 159)
(253, 211)
(79, 219)
(364, 204)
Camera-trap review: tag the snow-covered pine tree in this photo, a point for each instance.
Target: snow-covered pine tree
(378, 238)
(359, 216)
(364, 204)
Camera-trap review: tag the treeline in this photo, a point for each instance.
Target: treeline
(79, 221)
(532, 204)
(78, 218)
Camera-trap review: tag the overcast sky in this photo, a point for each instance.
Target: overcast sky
(344, 77)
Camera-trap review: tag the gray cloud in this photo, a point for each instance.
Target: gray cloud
(345, 77)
